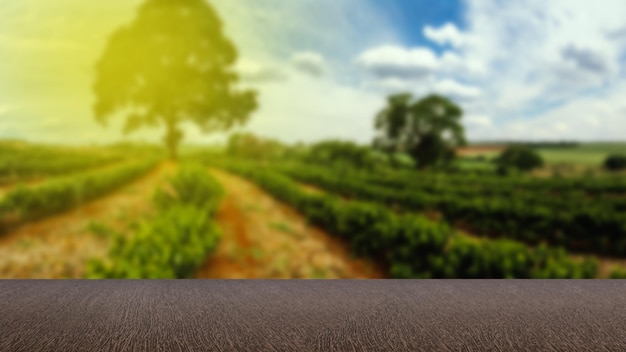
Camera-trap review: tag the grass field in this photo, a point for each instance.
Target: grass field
(569, 160)
(588, 154)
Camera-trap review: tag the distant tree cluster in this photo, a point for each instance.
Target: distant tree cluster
(336, 152)
(519, 158)
(248, 145)
(429, 129)
(615, 162)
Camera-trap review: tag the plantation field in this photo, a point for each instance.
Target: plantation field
(157, 219)
(60, 246)
(136, 215)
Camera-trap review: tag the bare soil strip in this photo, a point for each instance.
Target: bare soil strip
(59, 246)
(264, 238)
(478, 150)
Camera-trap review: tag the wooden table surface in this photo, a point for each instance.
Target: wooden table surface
(315, 315)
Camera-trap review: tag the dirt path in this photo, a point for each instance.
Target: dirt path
(263, 238)
(59, 246)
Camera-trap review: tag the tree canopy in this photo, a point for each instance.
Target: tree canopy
(248, 145)
(345, 153)
(172, 64)
(615, 162)
(428, 129)
(518, 157)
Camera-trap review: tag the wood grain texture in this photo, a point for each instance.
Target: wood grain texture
(299, 315)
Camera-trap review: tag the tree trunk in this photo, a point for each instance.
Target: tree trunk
(172, 138)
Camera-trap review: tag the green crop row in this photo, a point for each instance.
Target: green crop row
(569, 199)
(586, 228)
(28, 203)
(491, 184)
(413, 246)
(25, 162)
(175, 241)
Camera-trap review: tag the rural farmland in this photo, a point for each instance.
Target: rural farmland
(200, 139)
(221, 214)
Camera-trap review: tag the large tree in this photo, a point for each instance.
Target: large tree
(172, 64)
(428, 130)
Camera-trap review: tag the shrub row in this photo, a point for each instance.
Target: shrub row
(413, 246)
(494, 185)
(19, 163)
(175, 241)
(55, 196)
(570, 198)
(592, 229)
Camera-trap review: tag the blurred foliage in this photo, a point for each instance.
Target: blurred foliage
(175, 241)
(617, 273)
(428, 129)
(332, 153)
(64, 193)
(20, 161)
(336, 153)
(615, 162)
(191, 186)
(518, 158)
(248, 145)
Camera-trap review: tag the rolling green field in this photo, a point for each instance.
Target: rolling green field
(584, 157)
(587, 154)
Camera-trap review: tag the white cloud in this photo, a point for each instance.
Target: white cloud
(457, 90)
(395, 61)
(541, 66)
(446, 34)
(478, 121)
(587, 59)
(310, 63)
(585, 119)
(388, 85)
(393, 69)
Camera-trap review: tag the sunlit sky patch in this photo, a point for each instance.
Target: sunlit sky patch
(520, 69)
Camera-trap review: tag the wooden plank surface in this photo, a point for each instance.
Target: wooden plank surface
(316, 315)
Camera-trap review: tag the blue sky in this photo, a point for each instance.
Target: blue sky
(520, 69)
(410, 17)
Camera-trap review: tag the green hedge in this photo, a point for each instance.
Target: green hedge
(576, 224)
(62, 194)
